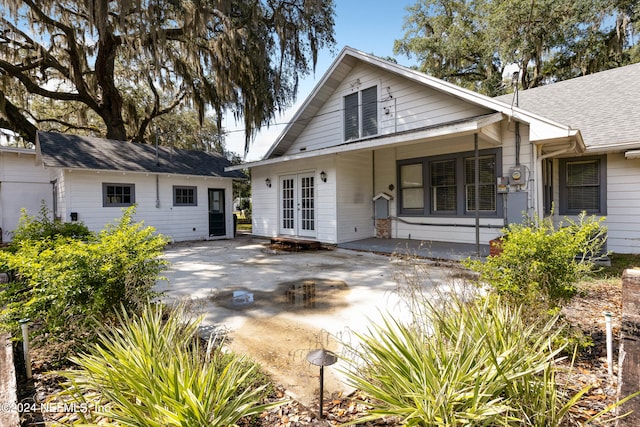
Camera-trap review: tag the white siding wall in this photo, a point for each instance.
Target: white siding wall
(411, 106)
(84, 196)
(623, 204)
(22, 185)
(266, 200)
(355, 196)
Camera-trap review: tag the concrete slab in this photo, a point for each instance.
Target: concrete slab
(278, 306)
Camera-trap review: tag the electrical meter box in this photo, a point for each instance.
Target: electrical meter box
(517, 175)
(502, 185)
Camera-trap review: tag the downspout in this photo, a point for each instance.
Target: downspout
(477, 191)
(373, 188)
(538, 172)
(157, 191)
(157, 175)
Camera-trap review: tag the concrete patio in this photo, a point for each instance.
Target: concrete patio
(279, 305)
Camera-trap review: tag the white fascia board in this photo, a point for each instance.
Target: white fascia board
(542, 127)
(445, 130)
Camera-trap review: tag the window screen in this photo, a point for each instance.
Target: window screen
(487, 185)
(583, 186)
(370, 111)
(443, 186)
(351, 120)
(412, 186)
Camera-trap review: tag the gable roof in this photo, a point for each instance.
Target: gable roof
(349, 58)
(89, 153)
(605, 106)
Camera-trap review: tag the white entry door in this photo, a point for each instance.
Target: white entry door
(298, 205)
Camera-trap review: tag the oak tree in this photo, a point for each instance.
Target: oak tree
(470, 42)
(110, 67)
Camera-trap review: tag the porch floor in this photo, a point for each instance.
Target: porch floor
(423, 248)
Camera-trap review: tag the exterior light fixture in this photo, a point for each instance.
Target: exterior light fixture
(323, 176)
(268, 182)
(321, 358)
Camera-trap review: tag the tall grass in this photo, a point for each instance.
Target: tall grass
(151, 371)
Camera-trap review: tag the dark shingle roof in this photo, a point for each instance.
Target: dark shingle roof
(84, 152)
(604, 106)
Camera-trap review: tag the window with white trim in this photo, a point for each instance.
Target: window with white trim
(361, 114)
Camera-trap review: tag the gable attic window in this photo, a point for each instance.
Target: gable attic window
(361, 114)
(583, 186)
(118, 195)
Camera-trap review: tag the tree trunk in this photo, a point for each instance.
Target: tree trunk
(15, 120)
(110, 107)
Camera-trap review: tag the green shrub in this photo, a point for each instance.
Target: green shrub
(43, 227)
(151, 370)
(540, 263)
(464, 363)
(63, 283)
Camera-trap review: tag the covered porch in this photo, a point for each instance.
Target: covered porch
(447, 251)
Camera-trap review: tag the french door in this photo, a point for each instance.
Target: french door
(297, 205)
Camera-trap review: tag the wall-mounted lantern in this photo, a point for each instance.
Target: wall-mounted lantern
(268, 182)
(323, 176)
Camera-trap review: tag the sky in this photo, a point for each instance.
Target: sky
(370, 26)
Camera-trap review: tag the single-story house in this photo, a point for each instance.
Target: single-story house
(22, 185)
(185, 195)
(382, 150)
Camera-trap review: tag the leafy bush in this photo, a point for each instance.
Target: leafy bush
(464, 363)
(62, 283)
(540, 263)
(151, 370)
(43, 227)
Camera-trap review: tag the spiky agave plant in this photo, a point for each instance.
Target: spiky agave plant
(150, 370)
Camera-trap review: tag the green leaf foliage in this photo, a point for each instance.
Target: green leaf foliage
(151, 370)
(43, 227)
(541, 263)
(471, 42)
(63, 284)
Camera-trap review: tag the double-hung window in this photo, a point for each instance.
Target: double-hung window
(486, 187)
(412, 187)
(118, 195)
(361, 114)
(445, 185)
(582, 186)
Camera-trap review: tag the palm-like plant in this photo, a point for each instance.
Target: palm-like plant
(150, 370)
